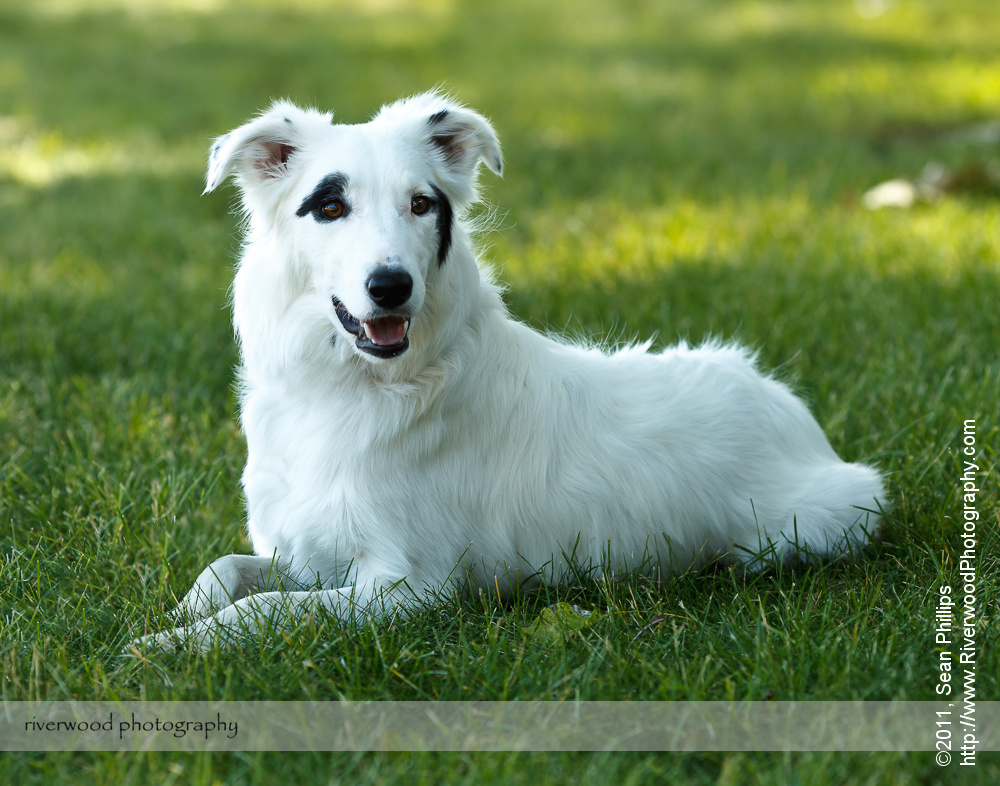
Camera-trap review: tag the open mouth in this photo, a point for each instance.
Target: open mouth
(383, 337)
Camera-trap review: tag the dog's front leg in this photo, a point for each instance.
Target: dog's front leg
(269, 610)
(230, 579)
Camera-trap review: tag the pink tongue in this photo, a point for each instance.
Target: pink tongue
(386, 331)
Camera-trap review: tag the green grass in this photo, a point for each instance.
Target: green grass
(688, 169)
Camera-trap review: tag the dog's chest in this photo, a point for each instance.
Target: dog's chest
(323, 450)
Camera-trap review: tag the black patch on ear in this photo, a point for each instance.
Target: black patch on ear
(331, 188)
(437, 117)
(445, 218)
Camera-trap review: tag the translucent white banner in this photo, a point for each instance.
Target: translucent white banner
(942, 727)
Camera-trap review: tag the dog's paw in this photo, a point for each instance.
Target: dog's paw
(201, 636)
(218, 586)
(164, 641)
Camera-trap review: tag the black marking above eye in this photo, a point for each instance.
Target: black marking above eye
(328, 201)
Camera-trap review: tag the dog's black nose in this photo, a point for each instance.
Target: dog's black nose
(390, 288)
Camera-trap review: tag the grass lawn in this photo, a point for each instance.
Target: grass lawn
(684, 169)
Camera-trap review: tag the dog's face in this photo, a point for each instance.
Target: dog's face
(365, 212)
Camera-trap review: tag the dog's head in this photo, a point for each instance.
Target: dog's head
(365, 213)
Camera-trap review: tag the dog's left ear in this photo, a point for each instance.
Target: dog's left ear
(259, 151)
(457, 138)
(462, 138)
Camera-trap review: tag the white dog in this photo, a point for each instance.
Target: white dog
(406, 435)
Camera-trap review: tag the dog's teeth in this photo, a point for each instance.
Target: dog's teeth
(406, 327)
(368, 332)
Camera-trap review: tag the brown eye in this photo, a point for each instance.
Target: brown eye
(419, 205)
(334, 209)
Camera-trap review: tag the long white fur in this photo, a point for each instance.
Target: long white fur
(486, 454)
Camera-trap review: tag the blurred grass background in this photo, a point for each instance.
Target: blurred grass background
(684, 169)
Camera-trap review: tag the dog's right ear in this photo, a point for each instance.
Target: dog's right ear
(259, 151)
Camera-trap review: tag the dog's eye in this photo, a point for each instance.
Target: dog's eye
(420, 205)
(334, 209)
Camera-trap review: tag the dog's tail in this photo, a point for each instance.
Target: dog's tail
(839, 511)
